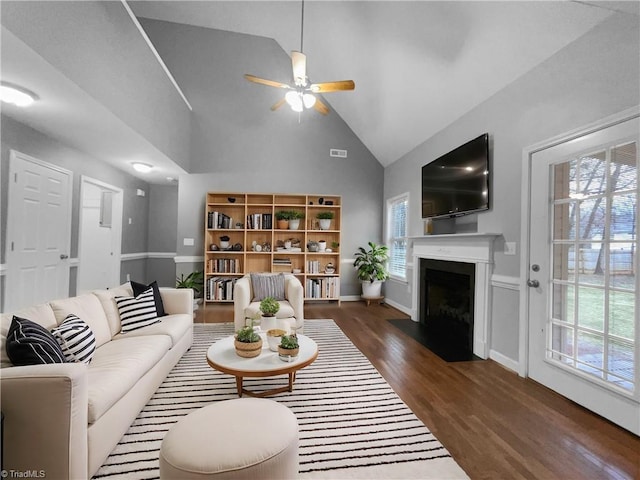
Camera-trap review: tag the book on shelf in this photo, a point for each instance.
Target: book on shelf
(223, 265)
(259, 221)
(220, 288)
(218, 220)
(328, 287)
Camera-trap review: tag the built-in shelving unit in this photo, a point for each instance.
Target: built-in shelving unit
(256, 243)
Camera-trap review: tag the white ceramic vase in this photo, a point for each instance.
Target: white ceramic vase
(371, 289)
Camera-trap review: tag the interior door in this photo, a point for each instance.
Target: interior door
(100, 235)
(38, 232)
(583, 295)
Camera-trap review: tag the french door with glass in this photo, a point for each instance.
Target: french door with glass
(583, 296)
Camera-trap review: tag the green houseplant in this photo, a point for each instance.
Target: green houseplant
(371, 268)
(195, 281)
(294, 219)
(247, 342)
(283, 219)
(269, 306)
(324, 219)
(289, 348)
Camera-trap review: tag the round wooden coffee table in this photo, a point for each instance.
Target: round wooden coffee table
(222, 356)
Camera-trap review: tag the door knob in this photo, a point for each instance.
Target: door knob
(63, 256)
(533, 283)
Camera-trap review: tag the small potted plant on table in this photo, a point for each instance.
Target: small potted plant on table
(269, 306)
(289, 348)
(247, 342)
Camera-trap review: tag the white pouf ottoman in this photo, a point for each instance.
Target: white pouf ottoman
(243, 438)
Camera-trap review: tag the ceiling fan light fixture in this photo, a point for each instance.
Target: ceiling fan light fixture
(308, 100)
(293, 99)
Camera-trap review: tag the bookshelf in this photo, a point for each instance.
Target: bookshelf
(256, 242)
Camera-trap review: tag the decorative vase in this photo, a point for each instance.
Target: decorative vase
(322, 246)
(288, 354)
(371, 289)
(294, 224)
(224, 244)
(273, 338)
(267, 323)
(283, 224)
(248, 350)
(325, 223)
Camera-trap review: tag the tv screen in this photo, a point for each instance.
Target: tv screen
(457, 183)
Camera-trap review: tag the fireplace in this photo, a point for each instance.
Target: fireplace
(475, 250)
(447, 307)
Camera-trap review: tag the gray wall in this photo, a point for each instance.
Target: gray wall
(162, 227)
(592, 78)
(22, 138)
(238, 144)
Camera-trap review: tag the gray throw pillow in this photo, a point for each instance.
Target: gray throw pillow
(267, 285)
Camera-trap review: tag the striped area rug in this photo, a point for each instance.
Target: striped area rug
(352, 424)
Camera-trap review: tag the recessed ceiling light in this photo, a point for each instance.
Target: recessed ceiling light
(21, 97)
(142, 167)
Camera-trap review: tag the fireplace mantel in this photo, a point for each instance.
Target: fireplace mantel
(476, 248)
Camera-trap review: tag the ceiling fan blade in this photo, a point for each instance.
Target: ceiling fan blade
(299, 64)
(264, 81)
(332, 86)
(321, 107)
(278, 104)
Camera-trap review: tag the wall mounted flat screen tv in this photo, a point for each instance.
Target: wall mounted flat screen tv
(458, 182)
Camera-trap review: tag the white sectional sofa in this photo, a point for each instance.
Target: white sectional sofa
(64, 419)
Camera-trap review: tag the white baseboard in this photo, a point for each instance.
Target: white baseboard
(399, 306)
(504, 361)
(350, 298)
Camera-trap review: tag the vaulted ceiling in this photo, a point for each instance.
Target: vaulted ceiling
(418, 65)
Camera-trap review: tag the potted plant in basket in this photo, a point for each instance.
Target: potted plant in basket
(269, 306)
(371, 266)
(324, 219)
(294, 219)
(283, 219)
(247, 342)
(289, 348)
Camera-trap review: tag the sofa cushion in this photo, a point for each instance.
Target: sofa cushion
(253, 310)
(267, 285)
(89, 309)
(137, 312)
(118, 365)
(31, 344)
(107, 299)
(76, 339)
(173, 325)
(40, 314)
(139, 288)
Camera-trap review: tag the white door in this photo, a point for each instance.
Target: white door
(100, 235)
(38, 232)
(583, 295)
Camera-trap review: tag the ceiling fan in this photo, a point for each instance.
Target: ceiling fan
(301, 94)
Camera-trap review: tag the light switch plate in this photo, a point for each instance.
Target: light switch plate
(510, 248)
(188, 242)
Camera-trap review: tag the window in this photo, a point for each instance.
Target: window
(397, 209)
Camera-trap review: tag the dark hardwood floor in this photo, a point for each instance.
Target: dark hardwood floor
(495, 424)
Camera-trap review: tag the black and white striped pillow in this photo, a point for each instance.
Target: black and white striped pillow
(29, 343)
(76, 339)
(137, 312)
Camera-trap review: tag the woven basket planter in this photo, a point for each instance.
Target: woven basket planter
(248, 350)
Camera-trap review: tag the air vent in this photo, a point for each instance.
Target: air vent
(335, 152)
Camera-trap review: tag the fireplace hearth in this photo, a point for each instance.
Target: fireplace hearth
(446, 311)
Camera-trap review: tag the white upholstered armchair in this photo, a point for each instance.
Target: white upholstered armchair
(245, 307)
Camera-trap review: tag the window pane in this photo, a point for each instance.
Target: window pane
(593, 174)
(591, 214)
(397, 211)
(622, 314)
(564, 175)
(562, 342)
(563, 303)
(591, 353)
(624, 160)
(621, 363)
(623, 217)
(564, 221)
(591, 308)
